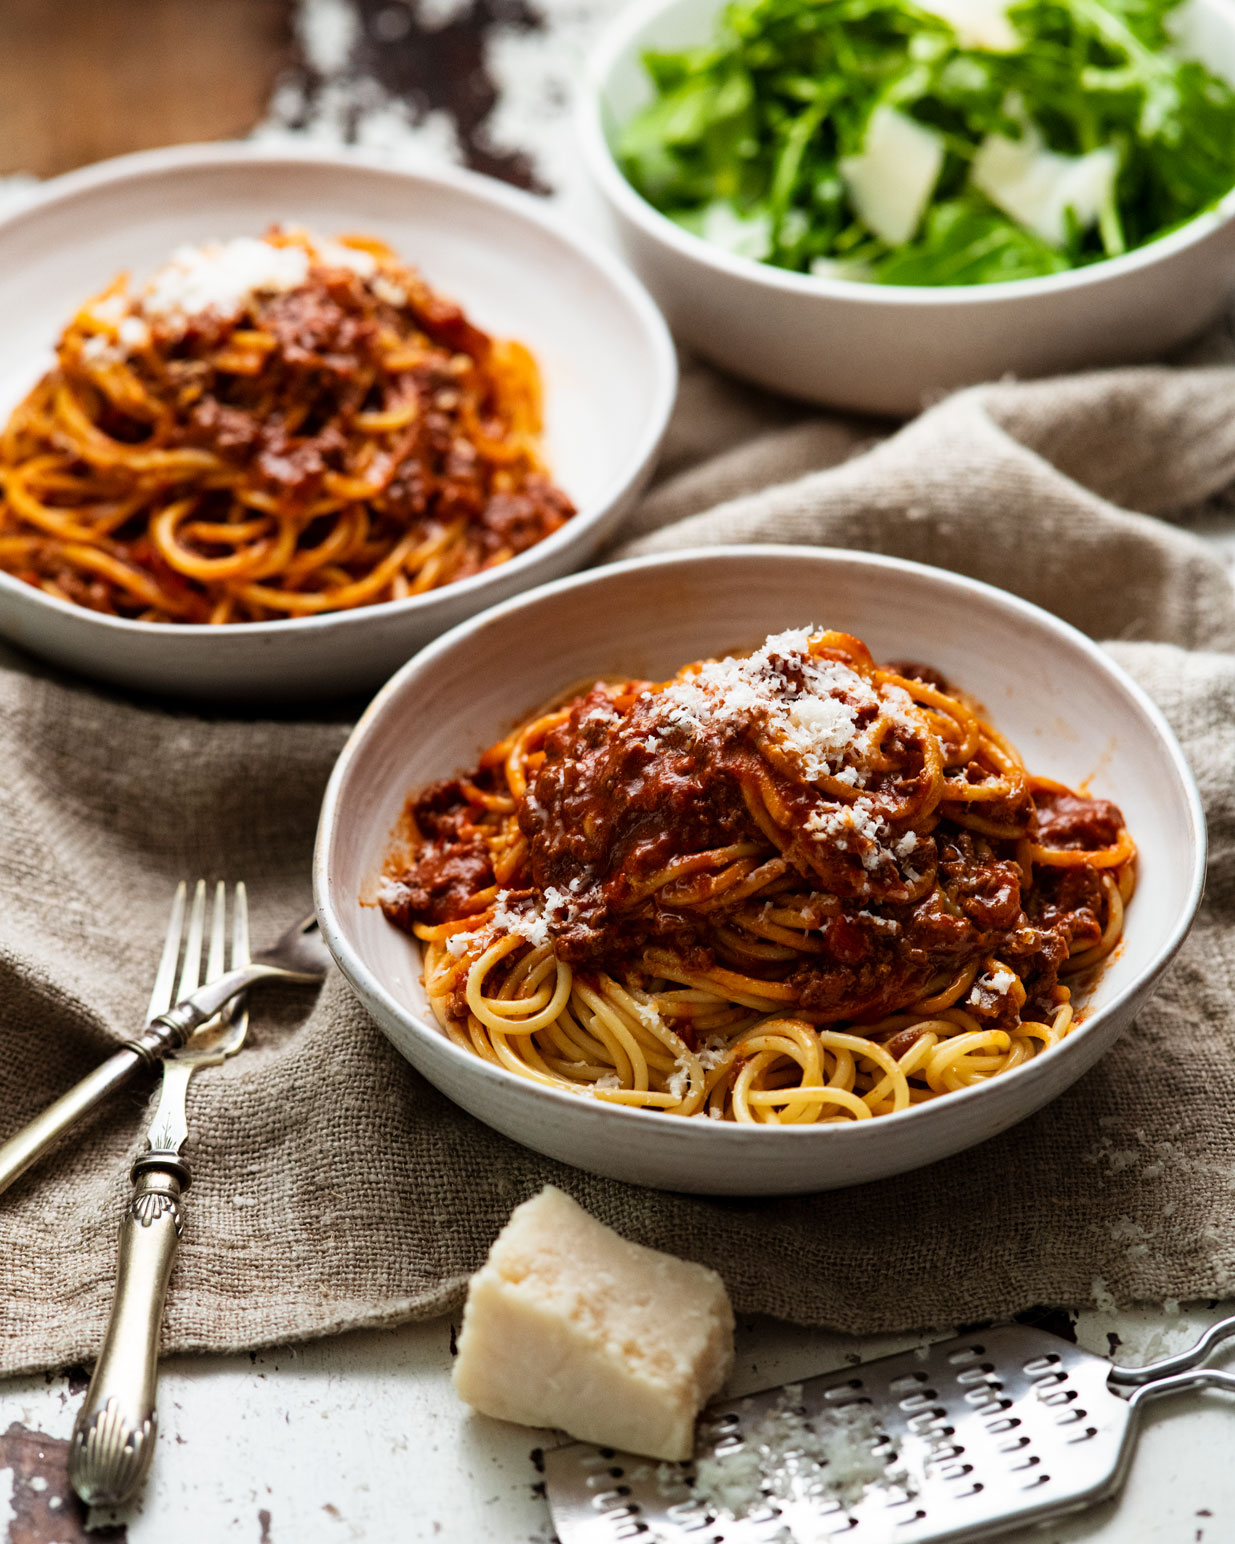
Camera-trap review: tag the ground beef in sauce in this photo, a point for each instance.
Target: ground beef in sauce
(1077, 822)
(608, 806)
(451, 862)
(283, 418)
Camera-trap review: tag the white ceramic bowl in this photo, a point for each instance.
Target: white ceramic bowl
(1073, 714)
(608, 364)
(887, 348)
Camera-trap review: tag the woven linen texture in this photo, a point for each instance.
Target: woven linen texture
(334, 1188)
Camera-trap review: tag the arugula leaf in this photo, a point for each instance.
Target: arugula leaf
(743, 139)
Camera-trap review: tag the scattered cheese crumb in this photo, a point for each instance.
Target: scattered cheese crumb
(391, 891)
(336, 255)
(112, 308)
(388, 291)
(999, 981)
(851, 827)
(882, 924)
(99, 349)
(222, 276)
(133, 333)
(712, 1054)
(560, 906)
(567, 1324)
(678, 1081)
(524, 918)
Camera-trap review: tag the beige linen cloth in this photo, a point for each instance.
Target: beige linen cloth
(334, 1188)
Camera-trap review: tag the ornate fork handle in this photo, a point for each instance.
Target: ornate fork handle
(113, 1438)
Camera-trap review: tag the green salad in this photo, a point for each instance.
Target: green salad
(942, 142)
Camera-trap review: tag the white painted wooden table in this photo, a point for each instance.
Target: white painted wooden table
(362, 1437)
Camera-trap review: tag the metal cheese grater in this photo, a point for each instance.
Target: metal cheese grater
(975, 1435)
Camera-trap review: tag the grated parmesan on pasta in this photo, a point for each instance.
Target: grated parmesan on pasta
(809, 706)
(225, 276)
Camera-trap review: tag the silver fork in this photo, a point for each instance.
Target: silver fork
(299, 955)
(114, 1435)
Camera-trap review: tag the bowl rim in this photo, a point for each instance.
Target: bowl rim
(616, 43)
(371, 988)
(143, 165)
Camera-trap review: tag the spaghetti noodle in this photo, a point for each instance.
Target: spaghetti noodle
(272, 429)
(790, 887)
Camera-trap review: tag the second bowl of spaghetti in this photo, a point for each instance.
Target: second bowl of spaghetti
(271, 420)
(788, 873)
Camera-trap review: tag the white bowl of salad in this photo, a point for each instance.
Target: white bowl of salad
(868, 202)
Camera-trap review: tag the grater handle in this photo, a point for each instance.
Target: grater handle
(1166, 1376)
(1179, 1382)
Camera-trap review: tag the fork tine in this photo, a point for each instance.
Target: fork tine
(218, 933)
(238, 1011)
(240, 926)
(190, 970)
(165, 976)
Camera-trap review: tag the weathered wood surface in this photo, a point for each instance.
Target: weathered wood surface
(85, 79)
(363, 1438)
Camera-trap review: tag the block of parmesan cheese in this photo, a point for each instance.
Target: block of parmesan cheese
(567, 1324)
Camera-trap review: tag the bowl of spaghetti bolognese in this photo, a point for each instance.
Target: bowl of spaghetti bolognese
(271, 419)
(786, 874)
